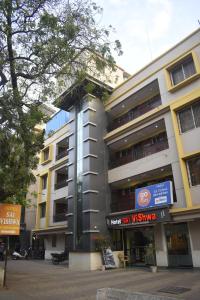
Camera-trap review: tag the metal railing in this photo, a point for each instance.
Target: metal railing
(61, 154)
(135, 155)
(60, 184)
(135, 113)
(59, 217)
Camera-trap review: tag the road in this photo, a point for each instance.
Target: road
(42, 280)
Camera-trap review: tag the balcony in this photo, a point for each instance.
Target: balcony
(61, 154)
(136, 153)
(62, 148)
(60, 184)
(135, 112)
(61, 176)
(59, 217)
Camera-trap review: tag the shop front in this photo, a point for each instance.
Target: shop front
(137, 233)
(150, 235)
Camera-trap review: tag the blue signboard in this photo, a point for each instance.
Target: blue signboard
(154, 195)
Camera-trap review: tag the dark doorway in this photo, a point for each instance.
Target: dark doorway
(178, 245)
(139, 246)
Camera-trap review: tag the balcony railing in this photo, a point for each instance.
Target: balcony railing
(135, 155)
(135, 113)
(59, 217)
(60, 184)
(61, 154)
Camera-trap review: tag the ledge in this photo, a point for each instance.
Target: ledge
(90, 139)
(70, 121)
(89, 108)
(91, 231)
(90, 155)
(70, 149)
(70, 179)
(90, 173)
(69, 214)
(90, 123)
(70, 134)
(90, 191)
(69, 233)
(46, 162)
(90, 211)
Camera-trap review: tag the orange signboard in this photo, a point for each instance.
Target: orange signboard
(10, 219)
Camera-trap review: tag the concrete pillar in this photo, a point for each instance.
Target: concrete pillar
(193, 228)
(161, 246)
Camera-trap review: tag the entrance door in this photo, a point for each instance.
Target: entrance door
(178, 244)
(140, 246)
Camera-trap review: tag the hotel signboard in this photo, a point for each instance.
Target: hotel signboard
(10, 215)
(135, 218)
(154, 195)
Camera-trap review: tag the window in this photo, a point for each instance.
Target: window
(183, 70)
(43, 210)
(194, 170)
(44, 181)
(46, 154)
(61, 178)
(189, 117)
(60, 210)
(62, 148)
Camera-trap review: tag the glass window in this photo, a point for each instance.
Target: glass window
(194, 170)
(46, 154)
(189, 117)
(44, 182)
(183, 71)
(177, 239)
(177, 75)
(117, 240)
(186, 119)
(60, 210)
(196, 112)
(188, 68)
(43, 210)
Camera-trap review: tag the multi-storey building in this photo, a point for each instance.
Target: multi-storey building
(134, 164)
(52, 176)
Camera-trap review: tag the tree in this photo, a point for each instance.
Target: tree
(40, 40)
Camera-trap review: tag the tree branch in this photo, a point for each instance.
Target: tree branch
(4, 79)
(33, 82)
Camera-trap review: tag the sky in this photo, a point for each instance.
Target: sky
(148, 28)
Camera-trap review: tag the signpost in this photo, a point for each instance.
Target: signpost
(10, 215)
(108, 258)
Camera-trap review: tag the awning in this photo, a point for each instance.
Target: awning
(48, 231)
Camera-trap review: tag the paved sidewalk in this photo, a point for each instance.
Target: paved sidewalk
(42, 280)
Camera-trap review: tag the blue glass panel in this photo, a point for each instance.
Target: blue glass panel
(56, 122)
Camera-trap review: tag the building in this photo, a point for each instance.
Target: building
(28, 213)
(134, 164)
(52, 174)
